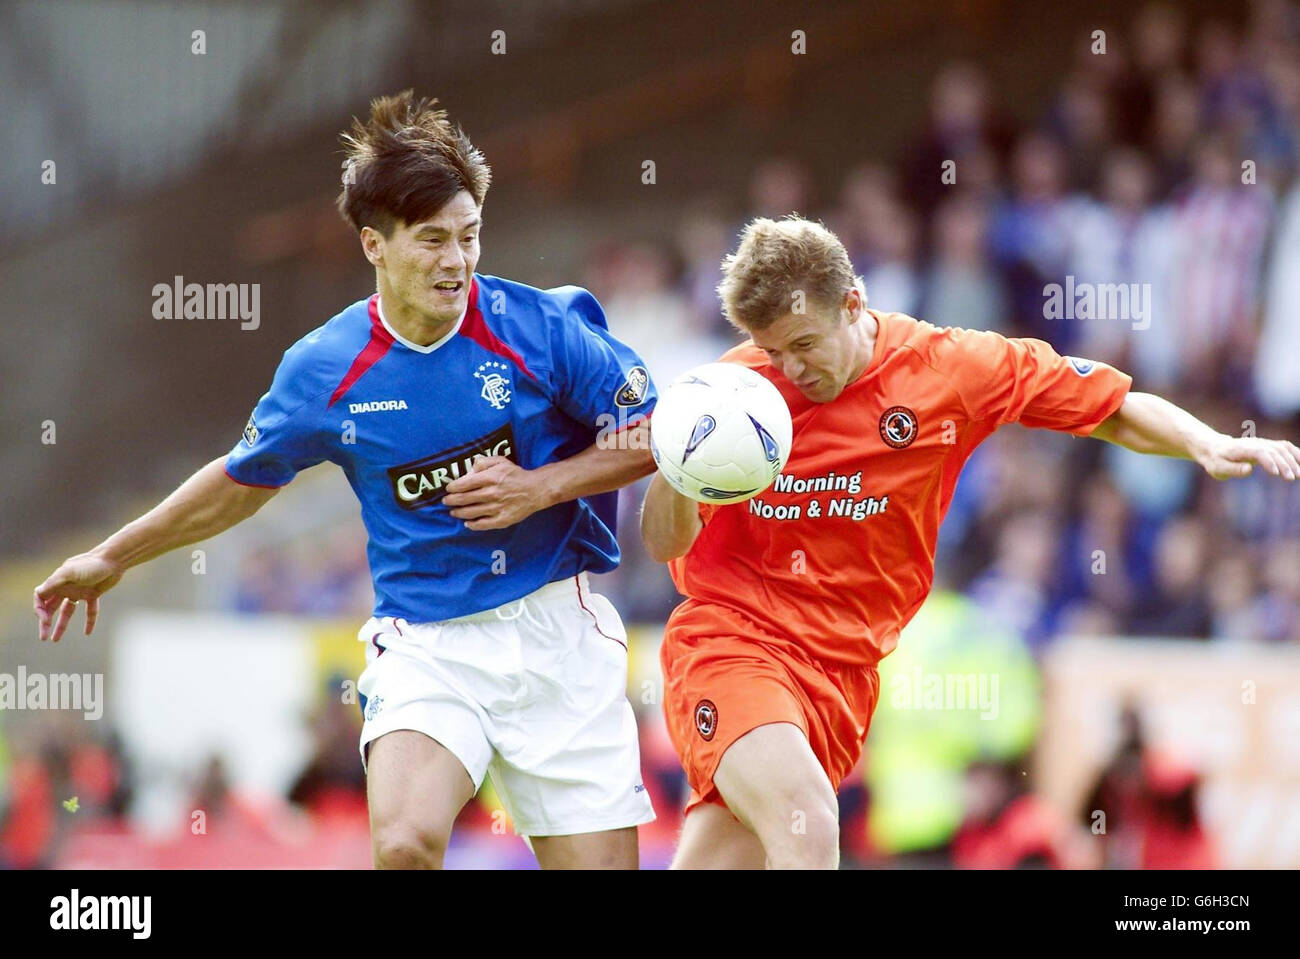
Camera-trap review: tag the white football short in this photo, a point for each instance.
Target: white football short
(533, 693)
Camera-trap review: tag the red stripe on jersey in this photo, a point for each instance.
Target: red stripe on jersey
(380, 341)
(253, 485)
(476, 328)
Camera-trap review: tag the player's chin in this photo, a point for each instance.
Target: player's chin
(820, 393)
(447, 305)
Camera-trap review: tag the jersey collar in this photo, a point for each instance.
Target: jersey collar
(379, 306)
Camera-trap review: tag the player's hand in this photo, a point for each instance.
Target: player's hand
(85, 577)
(1238, 456)
(495, 494)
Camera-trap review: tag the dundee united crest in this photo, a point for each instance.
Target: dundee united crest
(898, 427)
(706, 719)
(496, 387)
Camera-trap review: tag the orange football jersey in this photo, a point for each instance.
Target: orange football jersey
(838, 554)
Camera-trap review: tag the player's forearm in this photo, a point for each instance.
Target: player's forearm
(599, 468)
(1146, 423)
(206, 504)
(669, 521)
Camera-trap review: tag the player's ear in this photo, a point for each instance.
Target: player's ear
(372, 245)
(852, 308)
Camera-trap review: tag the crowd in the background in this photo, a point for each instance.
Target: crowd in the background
(1168, 162)
(1164, 164)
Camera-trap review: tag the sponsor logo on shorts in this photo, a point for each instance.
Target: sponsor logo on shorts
(706, 719)
(373, 705)
(1082, 367)
(898, 427)
(633, 390)
(424, 481)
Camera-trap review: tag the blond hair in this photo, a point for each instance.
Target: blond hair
(776, 261)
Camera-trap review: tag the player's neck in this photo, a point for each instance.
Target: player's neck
(868, 333)
(409, 324)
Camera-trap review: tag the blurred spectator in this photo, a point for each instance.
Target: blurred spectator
(1030, 237)
(1157, 46)
(1120, 239)
(334, 783)
(646, 311)
(1171, 835)
(1103, 550)
(961, 287)
(1015, 590)
(868, 200)
(891, 280)
(1081, 120)
(1231, 591)
(1277, 611)
(778, 186)
(702, 242)
(221, 808)
(963, 125)
(1234, 96)
(61, 779)
(1177, 604)
(1277, 384)
(1113, 810)
(1006, 826)
(1175, 129)
(1222, 226)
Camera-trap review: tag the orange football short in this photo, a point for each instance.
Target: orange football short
(725, 675)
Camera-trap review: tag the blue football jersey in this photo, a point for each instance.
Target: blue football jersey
(529, 374)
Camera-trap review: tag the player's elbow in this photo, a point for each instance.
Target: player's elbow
(662, 551)
(669, 522)
(665, 542)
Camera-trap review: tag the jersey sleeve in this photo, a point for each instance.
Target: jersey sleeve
(1021, 380)
(596, 379)
(282, 436)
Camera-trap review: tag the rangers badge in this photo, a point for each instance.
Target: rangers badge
(496, 387)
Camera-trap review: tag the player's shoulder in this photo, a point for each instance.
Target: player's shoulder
(747, 354)
(935, 344)
(320, 356)
(540, 325)
(515, 303)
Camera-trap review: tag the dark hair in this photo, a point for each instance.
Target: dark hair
(406, 163)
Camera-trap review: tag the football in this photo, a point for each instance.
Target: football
(720, 433)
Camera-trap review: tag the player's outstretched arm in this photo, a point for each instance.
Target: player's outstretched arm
(497, 493)
(205, 504)
(669, 521)
(1146, 423)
